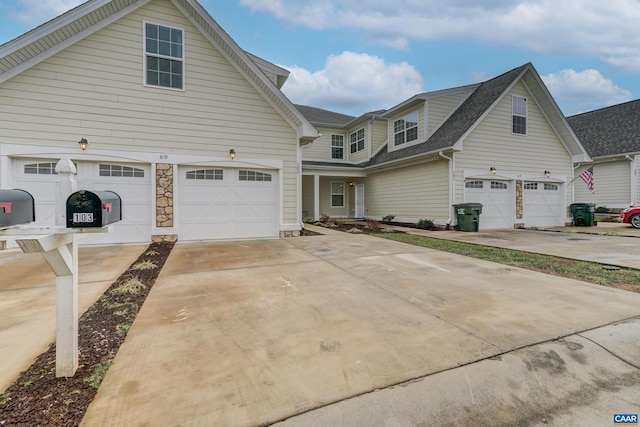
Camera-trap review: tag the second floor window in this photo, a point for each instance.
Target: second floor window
(337, 147)
(406, 129)
(164, 56)
(356, 141)
(519, 109)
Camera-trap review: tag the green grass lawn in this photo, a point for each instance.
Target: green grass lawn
(627, 279)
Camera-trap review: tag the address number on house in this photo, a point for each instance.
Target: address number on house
(82, 217)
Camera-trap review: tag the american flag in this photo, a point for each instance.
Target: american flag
(587, 177)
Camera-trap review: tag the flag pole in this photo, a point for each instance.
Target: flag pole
(571, 182)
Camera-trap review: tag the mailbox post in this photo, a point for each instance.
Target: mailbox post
(59, 247)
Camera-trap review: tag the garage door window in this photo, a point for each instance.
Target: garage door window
(40, 169)
(120, 170)
(208, 174)
(531, 186)
(551, 187)
(254, 176)
(473, 184)
(498, 185)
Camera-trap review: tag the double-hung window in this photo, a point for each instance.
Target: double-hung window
(356, 141)
(337, 194)
(337, 147)
(519, 110)
(406, 129)
(164, 56)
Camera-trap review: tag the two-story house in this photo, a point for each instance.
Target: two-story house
(503, 143)
(190, 130)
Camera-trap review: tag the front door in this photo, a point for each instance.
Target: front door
(359, 201)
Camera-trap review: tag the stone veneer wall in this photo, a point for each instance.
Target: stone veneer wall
(164, 201)
(519, 205)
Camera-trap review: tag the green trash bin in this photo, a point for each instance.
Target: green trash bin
(468, 216)
(584, 214)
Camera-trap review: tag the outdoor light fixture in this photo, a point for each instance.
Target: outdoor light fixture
(492, 170)
(232, 154)
(547, 174)
(350, 183)
(83, 144)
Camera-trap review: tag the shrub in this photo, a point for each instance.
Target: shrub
(424, 224)
(602, 209)
(324, 218)
(387, 219)
(339, 222)
(374, 225)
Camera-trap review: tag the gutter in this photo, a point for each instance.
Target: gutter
(452, 186)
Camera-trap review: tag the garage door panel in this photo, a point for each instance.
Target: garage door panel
(497, 204)
(543, 204)
(135, 193)
(216, 204)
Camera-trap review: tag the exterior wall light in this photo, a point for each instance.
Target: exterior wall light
(547, 174)
(232, 154)
(83, 144)
(492, 170)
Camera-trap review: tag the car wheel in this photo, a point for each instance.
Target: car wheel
(635, 220)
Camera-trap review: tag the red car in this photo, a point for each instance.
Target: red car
(631, 216)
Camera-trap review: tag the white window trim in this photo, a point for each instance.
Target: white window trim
(332, 147)
(526, 114)
(364, 141)
(391, 145)
(144, 57)
(338, 194)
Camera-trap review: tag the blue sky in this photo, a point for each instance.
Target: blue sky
(354, 56)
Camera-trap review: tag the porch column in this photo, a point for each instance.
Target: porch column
(316, 197)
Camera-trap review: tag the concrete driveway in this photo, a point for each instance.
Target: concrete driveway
(352, 330)
(28, 299)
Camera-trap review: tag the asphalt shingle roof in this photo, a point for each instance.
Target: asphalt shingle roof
(609, 131)
(319, 116)
(459, 122)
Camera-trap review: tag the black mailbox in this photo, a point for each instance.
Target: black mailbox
(93, 209)
(16, 207)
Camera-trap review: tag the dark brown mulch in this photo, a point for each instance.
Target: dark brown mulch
(38, 398)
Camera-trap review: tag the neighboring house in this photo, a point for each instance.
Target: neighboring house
(503, 143)
(162, 95)
(612, 138)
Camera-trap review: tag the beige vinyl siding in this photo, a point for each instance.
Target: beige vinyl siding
(421, 126)
(439, 109)
(412, 192)
(492, 143)
(612, 185)
(325, 197)
(378, 134)
(320, 149)
(94, 89)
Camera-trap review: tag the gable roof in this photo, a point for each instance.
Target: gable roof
(319, 117)
(609, 131)
(54, 36)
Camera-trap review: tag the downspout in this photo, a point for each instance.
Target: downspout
(633, 180)
(452, 186)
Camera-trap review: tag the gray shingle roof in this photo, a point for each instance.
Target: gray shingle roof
(459, 122)
(318, 116)
(609, 131)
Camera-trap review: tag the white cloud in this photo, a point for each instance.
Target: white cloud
(35, 12)
(586, 89)
(353, 83)
(605, 29)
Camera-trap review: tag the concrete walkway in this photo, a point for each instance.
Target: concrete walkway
(352, 330)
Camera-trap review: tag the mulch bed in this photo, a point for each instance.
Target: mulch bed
(38, 398)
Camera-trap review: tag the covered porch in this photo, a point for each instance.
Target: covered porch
(338, 192)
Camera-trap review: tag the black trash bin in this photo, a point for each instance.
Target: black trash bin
(584, 214)
(468, 216)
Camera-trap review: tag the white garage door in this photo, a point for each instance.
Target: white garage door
(131, 181)
(543, 204)
(497, 202)
(227, 203)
